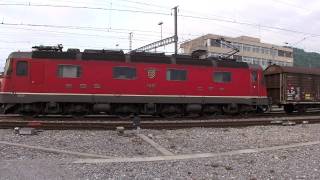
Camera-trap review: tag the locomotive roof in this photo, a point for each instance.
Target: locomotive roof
(276, 69)
(136, 57)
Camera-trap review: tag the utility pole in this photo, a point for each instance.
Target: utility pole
(160, 24)
(165, 41)
(130, 41)
(175, 30)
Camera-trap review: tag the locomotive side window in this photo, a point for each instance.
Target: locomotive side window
(124, 73)
(69, 71)
(222, 77)
(176, 75)
(22, 68)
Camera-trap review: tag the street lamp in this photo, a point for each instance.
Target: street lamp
(160, 24)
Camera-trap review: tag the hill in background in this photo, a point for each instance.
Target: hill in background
(305, 59)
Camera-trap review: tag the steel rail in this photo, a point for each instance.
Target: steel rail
(155, 124)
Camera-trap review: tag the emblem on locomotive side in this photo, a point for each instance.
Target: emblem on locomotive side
(151, 73)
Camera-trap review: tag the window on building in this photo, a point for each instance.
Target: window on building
(274, 52)
(280, 53)
(222, 77)
(267, 51)
(124, 73)
(176, 75)
(288, 54)
(256, 49)
(246, 48)
(215, 43)
(22, 68)
(69, 71)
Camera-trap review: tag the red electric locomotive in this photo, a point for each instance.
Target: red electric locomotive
(51, 81)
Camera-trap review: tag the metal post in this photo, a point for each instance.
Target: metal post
(175, 30)
(160, 24)
(130, 41)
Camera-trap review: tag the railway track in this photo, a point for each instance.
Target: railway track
(61, 124)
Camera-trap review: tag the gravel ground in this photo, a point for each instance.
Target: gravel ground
(17, 153)
(296, 163)
(96, 142)
(293, 163)
(202, 140)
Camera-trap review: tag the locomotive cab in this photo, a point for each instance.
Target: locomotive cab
(5, 77)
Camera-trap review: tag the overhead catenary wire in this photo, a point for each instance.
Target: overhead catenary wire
(167, 14)
(193, 16)
(88, 28)
(83, 7)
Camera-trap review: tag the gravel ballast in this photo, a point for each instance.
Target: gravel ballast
(202, 140)
(96, 142)
(293, 163)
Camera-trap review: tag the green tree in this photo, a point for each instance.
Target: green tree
(305, 59)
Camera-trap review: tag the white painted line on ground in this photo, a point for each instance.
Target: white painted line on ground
(55, 150)
(155, 145)
(193, 156)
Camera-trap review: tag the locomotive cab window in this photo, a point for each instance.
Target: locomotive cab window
(69, 71)
(222, 77)
(124, 73)
(176, 75)
(22, 68)
(8, 68)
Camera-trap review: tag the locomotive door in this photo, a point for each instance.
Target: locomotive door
(254, 83)
(36, 75)
(21, 76)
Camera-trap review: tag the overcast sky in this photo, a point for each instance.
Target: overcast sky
(107, 23)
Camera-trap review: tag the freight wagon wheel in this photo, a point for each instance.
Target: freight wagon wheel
(301, 109)
(288, 108)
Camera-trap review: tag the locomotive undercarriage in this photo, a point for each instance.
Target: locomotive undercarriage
(125, 110)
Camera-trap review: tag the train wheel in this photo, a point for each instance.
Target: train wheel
(211, 115)
(211, 111)
(193, 115)
(288, 108)
(169, 115)
(170, 111)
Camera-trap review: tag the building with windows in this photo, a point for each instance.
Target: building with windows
(251, 50)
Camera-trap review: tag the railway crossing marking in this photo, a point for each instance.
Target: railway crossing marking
(155, 145)
(55, 150)
(193, 156)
